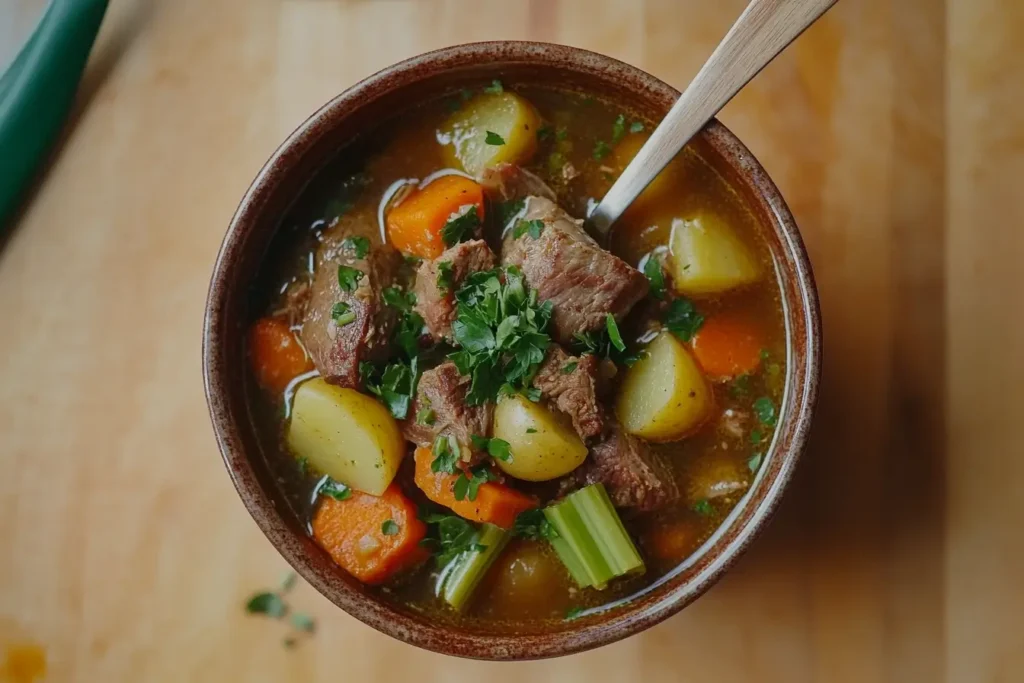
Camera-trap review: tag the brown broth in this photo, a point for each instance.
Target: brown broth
(512, 597)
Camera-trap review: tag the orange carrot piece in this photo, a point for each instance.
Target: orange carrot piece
(728, 345)
(672, 541)
(414, 226)
(495, 503)
(277, 356)
(372, 538)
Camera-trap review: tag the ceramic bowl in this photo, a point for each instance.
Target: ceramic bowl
(317, 141)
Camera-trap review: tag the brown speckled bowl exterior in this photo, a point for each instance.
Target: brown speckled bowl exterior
(317, 141)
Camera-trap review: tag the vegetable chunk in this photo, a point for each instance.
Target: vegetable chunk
(664, 396)
(277, 356)
(707, 257)
(346, 435)
(543, 445)
(447, 211)
(728, 345)
(489, 129)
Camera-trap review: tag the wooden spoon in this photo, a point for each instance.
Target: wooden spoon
(764, 30)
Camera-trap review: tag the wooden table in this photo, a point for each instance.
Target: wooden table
(893, 127)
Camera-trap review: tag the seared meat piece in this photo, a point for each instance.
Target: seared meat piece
(567, 267)
(570, 383)
(633, 475)
(504, 181)
(337, 350)
(443, 391)
(437, 304)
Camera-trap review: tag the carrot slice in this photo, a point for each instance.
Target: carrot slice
(277, 356)
(414, 226)
(672, 541)
(495, 503)
(372, 538)
(728, 345)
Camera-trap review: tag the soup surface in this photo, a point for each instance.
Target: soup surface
(482, 411)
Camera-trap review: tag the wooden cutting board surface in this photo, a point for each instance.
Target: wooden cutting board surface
(894, 129)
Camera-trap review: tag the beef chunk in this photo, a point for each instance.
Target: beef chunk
(567, 267)
(571, 384)
(443, 391)
(337, 350)
(437, 304)
(634, 476)
(504, 182)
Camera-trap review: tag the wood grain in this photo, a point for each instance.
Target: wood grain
(894, 129)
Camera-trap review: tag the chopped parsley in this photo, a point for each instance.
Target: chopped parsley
(704, 508)
(357, 246)
(460, 228)
(600, 344)
(613, 332)
(507, 210)
(574, 613)
(655, 276)
(449, 536)
(533, 525)
(446, 454)
(396, 297)
(494, 139)
(496, 448)
(342, 314)
(740, 386)
(531, 430)
(468, 484)
(756, 436)
(389, 527)
(765, 410)
(570, 367)
(682, 319)
(754, 464)
(410, 324)
(445, 276)
(395, 385)
(532, 228)
(268, 603)
(348, 278)
(426, 416)
(601, 150)
(618, 128)
(333, 489)
(495, 87)
(636, 127)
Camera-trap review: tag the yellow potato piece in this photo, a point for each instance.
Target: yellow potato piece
(544, 445)
(662, 195)
(707, 257)
(506, 115)
(347, 435)
(664, 396)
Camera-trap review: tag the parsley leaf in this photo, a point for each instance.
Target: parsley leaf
(601, 150)
(533, 525)
(426, 416)
(445, 276)
(636, 127)
(389, 527)
(267, 603)
(342, 314)
(534, 228)
(348, 278)
(682, 319)
(333, 489)
(449, 536)
(570, 367)
(531, 430)
(613, 332)
(357, 246)
(618, 128)
(460, 228)
(754, 463)
(574, 613)
(410, 325)
(740, 386)
(704, 508)
(398, 298)
(495, 87)
(756, 436)
(468, 484)
(446, 454)
(494, 139)
(303, 622)
(395, 386)
(506, 210)
(765, 410)
(656, 277)
(496, 448)
(545, 133)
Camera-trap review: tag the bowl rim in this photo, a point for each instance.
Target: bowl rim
(587, 633)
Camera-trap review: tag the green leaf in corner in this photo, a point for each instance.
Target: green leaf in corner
(460, 228)
(334, 489)
(494, 139)
(342, 314)
(704, 508)
(682, 319)
(267, 603)
(532, 228)
(445, 276)
(357, 246)
(754, 464)
(613, 332)
(348, 278)
(765, 410)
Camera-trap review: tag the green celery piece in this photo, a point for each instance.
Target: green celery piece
(579, 544)
(461, 577)
(571, 562)
(599, 514)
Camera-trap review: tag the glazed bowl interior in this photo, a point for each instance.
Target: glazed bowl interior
(326, 135)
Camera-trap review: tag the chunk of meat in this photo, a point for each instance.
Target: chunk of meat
(567, 267)
(337, 350)
(505, 182)
(436, 303)
(633, 476)
(442, 392)
(570, 382)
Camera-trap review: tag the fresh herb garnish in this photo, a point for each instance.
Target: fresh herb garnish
(410, 324)
(348, 278)
(533, 228)
(618, 128)
(468, 484)
(494, 139)
(740, 386)
(531, 430)
(446, 454)
(570, 367)
(395, 386)
(460, 228)
(303, 622)
(396, 297)
(426, 416)
(636, 127)
(357, 246)
(756, 436)
(533, 525)
(613, 332)
(333, 489)
(600, 344)
(704, 508)
(656, 277)
(450, 536)
(601, 150)
(445, 276)
(682, 319)
(532, 393)
(765, 410)
(574, 613)
(268, 603)
(342, 314)
(754, 463)
(495, 87)
(507, 210)
(496, 448)
(389, 527)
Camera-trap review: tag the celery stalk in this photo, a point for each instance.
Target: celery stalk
(461, 576)
(592, 542)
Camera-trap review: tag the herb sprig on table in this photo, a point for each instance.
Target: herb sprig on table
(273, 604)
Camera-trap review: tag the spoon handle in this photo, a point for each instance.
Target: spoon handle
(764, 29)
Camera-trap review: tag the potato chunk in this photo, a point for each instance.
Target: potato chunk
(664, 396)
(544, 446)
(345, 434)
(707, 257)
(489, 129)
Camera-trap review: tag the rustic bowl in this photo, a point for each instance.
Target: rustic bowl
(317, 141)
